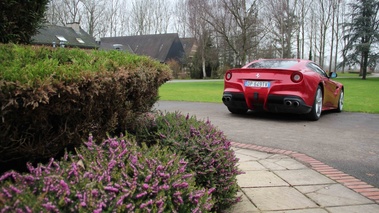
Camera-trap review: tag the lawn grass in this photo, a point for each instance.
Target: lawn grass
(360, 95)
(199, 91)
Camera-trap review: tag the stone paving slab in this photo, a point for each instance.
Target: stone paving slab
(251, 166)
(278, 198)
(259, 179)
(372, 208)
(303, 177)
(275, 183)
(316, 210)
(253, 155)
(286, 163)
(245, 206)
(333, 195)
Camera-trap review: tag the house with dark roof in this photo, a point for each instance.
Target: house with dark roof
(190, 46)
(162, 47)
(71, 35)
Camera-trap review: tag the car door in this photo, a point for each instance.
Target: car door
(330, 88)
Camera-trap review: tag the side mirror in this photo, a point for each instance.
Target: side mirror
(333, 75)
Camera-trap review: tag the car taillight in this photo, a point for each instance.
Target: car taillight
(228, 76)
(296, 77)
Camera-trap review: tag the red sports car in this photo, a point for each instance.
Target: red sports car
(284, 86)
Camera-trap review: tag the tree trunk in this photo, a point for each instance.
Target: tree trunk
(365, 64)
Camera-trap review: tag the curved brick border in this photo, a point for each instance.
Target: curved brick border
(348, 181)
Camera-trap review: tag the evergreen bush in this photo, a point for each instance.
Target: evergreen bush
(52, 98)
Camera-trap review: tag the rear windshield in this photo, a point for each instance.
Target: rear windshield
(274, 64)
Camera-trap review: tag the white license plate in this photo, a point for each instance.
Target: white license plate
(260, 84)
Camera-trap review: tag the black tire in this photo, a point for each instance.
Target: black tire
(237, 110)
(315, 113)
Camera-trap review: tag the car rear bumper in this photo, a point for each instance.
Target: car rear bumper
(273, 103)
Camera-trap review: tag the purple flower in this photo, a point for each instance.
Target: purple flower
(147, 179)
(129, 206)
(160, 168)
(9, 195)
(16, 190)
(65, 187)
(180, 185)
(111, 189)
(165, 187)
(50, 207)
(163, 175)
(145, 186)
(133, 159)
(143, 205)
(178, 196)
(187, 176)
(12, 174)
(210, 191)
(95, 192)
(124, 151)
(113, 143)
(28, 209)
(182, 162)
(99, 210)
(111, 164)
(121, 200)
(141, 195)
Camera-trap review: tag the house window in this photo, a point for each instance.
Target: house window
(61, 38)
(80, 40)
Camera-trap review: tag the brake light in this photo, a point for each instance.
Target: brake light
(296, 77)
(228, 76)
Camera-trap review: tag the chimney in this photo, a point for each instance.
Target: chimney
(75, 26)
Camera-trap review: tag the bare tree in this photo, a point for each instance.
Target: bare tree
(93, 14)
(325, 14)
(284, 25)
(53, 12)
(334, 31)
(140, 17)
(112, 14)
(302, 9)
(236, 21)
(61, 12)
(162, 12)
(199, 28)
(71, 11)
(180, 18)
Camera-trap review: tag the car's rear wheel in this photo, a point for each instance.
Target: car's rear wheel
(237, 110)
(340, 101)
(315, 113)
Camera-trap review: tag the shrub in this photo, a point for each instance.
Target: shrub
(53, 98)
(117, 176)
(206, 149)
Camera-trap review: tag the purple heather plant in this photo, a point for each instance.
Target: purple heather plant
(206, 149)
(116, 176)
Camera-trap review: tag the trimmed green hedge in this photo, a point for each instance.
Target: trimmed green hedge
(53, 98)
